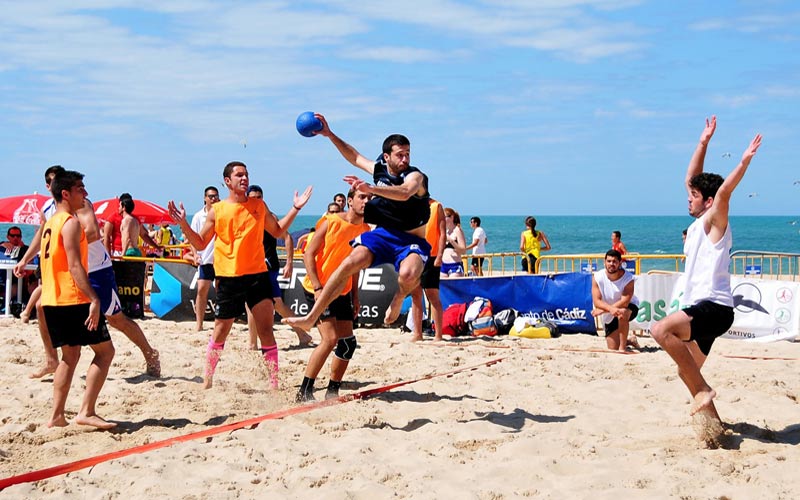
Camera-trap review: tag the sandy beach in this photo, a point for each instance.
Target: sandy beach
(553, 418)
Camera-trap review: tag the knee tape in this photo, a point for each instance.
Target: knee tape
(345, 348)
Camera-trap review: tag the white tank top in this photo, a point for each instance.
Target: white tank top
(611, 291)
(706, 272)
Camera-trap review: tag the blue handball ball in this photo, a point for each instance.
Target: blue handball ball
(307, 124)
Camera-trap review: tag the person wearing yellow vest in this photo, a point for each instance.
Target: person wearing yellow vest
(435, 235)
(329, 246)
(239, 222)
(71, 307)
(532, 243)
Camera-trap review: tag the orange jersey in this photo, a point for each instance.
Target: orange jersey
(335, 248)
(432, 228)
(239, 248)
(58, 286)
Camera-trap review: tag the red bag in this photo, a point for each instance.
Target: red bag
(453, 323)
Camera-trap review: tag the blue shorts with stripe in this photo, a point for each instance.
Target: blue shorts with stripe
(390, 246)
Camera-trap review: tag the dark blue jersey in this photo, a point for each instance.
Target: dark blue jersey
(393, 214)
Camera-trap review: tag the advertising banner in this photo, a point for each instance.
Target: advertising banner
(174, 290)
(565, 299)
(655, 294)
(764, 310)
(130, 278)
(376, 287)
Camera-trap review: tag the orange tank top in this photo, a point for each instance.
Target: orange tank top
(335, 248)
(432, 228)
(58, 286)
(238, 247)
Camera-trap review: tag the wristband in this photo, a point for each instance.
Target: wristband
(318, 289)
(295, 207)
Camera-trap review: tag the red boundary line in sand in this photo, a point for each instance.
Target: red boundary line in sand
(605, 351)
(58, 470)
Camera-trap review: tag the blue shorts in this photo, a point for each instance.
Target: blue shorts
(105, 286)
(389, 246)
(276, 286)
(449, 268)
(206, 272)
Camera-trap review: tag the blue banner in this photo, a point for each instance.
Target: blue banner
(565, 299)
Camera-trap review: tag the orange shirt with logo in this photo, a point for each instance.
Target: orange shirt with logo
(238, 248)
(335, 248)
(58, 286)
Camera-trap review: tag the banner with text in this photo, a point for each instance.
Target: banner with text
(130, 286)
(565, 299)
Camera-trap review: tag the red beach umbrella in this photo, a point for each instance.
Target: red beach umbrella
(146, 212)
(22, 209)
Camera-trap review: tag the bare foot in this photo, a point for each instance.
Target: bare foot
(709, 428)
(416, 338)
(303, 338)
(703, 400)
(633, 341)
(25, 317)
(94, 421)
(393, 311)
(302, 322)
(153, 364)
(437, 338)
(47, 369)
(58, 422)
(208, 382)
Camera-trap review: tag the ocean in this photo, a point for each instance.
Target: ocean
(592, 234)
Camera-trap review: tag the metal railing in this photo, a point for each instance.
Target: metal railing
(762, 264)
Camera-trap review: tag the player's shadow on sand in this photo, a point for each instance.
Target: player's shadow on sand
(462, 339)
(159, 382)
(516, 419)
(169, 423)
(426, 397)
(409, 427)
(743, 430)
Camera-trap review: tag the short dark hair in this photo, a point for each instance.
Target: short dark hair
(617, 234)
(335, 206)
(614, 253)
(64, 181)
(394, 140)
(128, 205)
(13, 228)
(124, 196)
(338, 195)
(209, 188)
(256, 188)
(476, 220)
(52, 171)
(707, 183)
(228, 170)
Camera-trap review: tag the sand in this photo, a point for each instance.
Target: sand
(544, 422)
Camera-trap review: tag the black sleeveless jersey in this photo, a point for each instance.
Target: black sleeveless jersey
(392, 214)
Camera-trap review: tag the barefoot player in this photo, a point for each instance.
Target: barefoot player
(687, 335)
(238, 223)
(71, 308)
(399, 209)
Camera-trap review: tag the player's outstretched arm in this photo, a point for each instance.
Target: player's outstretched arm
(347, 151)
(699, 155)
(719, 210)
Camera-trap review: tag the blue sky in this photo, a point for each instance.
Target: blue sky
(552, 107)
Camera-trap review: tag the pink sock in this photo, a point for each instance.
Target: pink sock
(213, 353)
(271, 358)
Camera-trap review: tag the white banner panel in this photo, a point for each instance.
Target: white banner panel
(764, 310)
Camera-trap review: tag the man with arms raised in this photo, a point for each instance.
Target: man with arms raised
(400, 211)
(71, 307)
(238, 222)
(687, 335)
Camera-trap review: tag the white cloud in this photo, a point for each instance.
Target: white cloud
(403, 55)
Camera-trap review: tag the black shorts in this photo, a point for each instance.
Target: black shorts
(430, 275)
(234, 292)
(341, 309)
(477, 261)
(529, 261)
(206, 272)
(66, 325)
(613, 325)
(709, 321)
